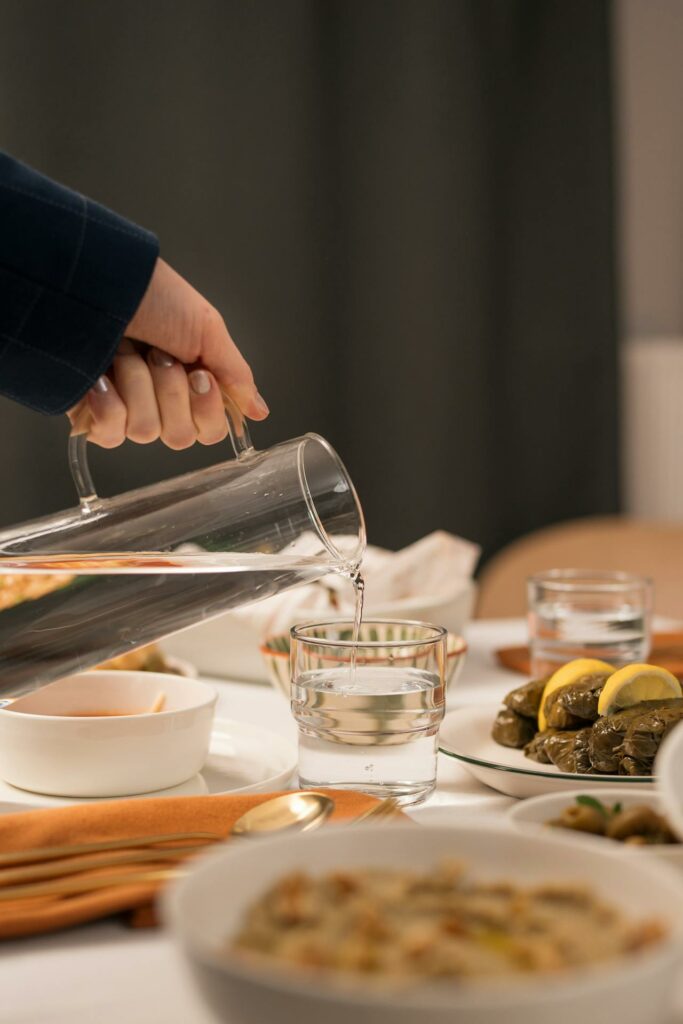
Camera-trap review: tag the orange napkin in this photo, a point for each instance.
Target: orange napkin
(123, 819)
(667, 651)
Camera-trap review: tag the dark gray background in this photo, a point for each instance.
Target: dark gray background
(402, 208)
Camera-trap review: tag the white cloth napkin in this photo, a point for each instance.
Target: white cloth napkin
(437, 566)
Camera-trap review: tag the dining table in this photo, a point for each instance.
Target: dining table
(109, 973)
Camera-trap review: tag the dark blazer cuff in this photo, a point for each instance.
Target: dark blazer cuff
(70, 282)
(114, 269)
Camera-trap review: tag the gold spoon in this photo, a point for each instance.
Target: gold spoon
(300, 811)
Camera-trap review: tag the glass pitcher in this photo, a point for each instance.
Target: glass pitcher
(114, 574)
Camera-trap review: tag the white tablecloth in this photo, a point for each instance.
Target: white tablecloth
(106, 974)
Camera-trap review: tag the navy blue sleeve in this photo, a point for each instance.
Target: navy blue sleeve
(72, 274)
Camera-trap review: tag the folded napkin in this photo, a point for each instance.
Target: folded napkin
(123, 819)
(437, 566)
(667, 652)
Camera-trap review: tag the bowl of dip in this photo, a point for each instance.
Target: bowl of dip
(107, 733)
(410, 949)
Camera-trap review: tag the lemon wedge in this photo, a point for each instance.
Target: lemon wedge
(565, 676)
(633, 683)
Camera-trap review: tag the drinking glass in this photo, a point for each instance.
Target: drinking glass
(577, 613)
(369, 710)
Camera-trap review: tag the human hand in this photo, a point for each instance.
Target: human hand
(171, 389)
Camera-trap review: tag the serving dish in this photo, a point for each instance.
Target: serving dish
(589, 717)
(242, 758)
(275, 652)
(228, 646)
(206, 908)
(48, 745)
(465, 734)
(540, 810)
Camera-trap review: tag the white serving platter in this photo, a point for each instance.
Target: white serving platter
(466, 735)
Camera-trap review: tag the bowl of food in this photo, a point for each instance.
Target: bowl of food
(477, 924)
(275, 651)
(107, 733)
(636, 821)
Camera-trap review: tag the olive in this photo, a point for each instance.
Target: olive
(634, 821)
(582, 819)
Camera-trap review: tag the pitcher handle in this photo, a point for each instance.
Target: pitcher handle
(78, 449)
(237, 425)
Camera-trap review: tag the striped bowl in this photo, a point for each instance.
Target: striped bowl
(275, 652)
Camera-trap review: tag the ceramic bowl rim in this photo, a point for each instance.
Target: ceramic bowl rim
(209, 700)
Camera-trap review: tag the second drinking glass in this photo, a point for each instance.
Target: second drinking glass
(576, 613)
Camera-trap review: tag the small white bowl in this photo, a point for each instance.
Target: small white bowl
(47, 746)
(539, 810)
(207, 906)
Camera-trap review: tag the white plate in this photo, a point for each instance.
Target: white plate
(243, 758)
(466, 735)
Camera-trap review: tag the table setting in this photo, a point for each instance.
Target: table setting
(394, 810)
(107, 967)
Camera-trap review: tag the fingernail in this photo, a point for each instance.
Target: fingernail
(260, 404)
(200, 382)
(160, 358)
(101, 386)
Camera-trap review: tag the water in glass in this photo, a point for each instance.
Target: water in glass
(617, 635)
(368, 700)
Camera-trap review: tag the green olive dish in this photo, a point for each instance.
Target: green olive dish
(638, 825)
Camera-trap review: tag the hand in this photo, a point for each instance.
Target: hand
(169, 386)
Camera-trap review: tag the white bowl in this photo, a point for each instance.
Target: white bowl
(539, 810)
(228, 646)
(206, 908)
(47, 747)
(668, 769)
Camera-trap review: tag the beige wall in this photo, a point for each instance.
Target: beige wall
(649, 149)
(649, 80)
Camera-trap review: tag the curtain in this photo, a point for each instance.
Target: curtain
(402, 207)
